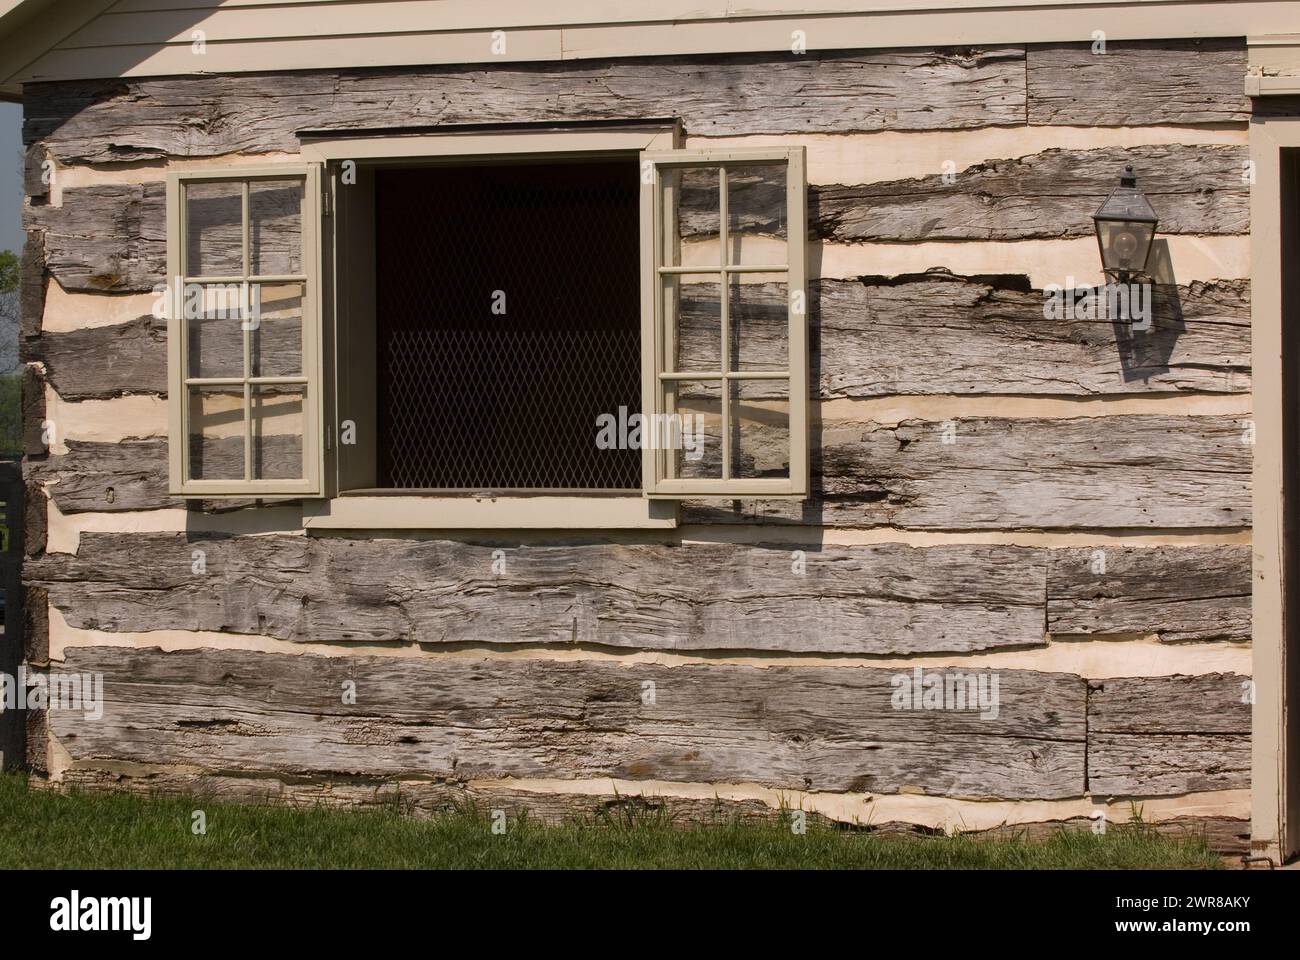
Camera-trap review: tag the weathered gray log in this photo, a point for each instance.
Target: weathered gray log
(938, 333)
(1125, 471)
(33, 412)
(1179, 593)
(36, 182)
(110, 237)
(134, 474)
(1122, 471)
(931, 333)
(1159, 735)
(1137, 82)
(885, 599)
(101, 362)
(35, 519)
(113, 237)
(787, 727)
(1195, 189)
(95, 476)
(94, 363)
(36, 626)
(911, 89)
(31, 295)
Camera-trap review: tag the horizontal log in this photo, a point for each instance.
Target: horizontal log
(95, 363)
(716, 95)
(113, 237)
(886, 599)
(1127, 471)
(110, 237)
(936, 333)
(1047, 195)
(107, 477)
(783, 727)
(929, 334)
(1137, 82)
(1163, 735)
(1196, 188)
(135, 474)
(1179, 593)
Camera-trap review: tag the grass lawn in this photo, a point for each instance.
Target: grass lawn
(39, 828)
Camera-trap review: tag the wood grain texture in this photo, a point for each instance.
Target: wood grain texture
(1162, 735)
(1137, 82)
(1043, 196)
(114, 237)
(35, 181)
(1180, 593)
(783, 727)
(106, 477)
(96, 363)
(107, 238)
(886, 599)
(718, 95)
(36, 626)
(923, 334)
(31, 291)
(937, 333)
(33, 411)
(35, 519)
(1126, 471)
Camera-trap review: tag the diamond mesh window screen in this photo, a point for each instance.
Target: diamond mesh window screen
(508, 321)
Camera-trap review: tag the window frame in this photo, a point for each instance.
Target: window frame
(658, 243)
(324, 504)
(312, 377)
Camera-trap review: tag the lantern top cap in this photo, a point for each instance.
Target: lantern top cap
(1127, 202)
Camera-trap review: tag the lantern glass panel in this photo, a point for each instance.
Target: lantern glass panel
(1125, 244)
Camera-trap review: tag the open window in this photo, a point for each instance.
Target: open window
(573, 315)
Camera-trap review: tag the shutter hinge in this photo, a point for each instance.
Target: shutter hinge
(325, 210)
(329, 436)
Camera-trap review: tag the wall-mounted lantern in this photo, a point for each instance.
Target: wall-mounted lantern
(1126, 225)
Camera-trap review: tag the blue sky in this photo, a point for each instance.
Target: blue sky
(11, 177)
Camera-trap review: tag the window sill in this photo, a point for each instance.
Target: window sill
(489, 513)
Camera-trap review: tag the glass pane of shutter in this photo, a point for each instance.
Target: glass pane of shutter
(756, 214)
(214, 337)
(275, 342)
(275, 227)
(691, 436)
(216, 433)
(214, 229)
(278, 424)
(729, 325)
(760, 430)
(759, 331)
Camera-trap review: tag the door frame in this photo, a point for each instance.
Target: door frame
(1275, 794)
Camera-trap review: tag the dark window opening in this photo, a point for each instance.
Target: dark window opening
(507, 320)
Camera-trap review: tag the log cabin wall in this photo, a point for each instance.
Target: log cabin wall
(1085, 536)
